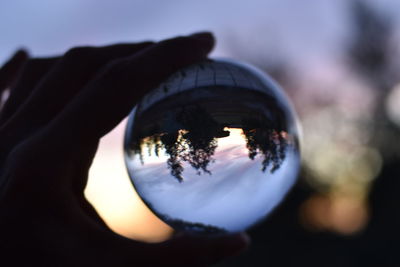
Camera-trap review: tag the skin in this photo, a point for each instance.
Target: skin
(50, 126)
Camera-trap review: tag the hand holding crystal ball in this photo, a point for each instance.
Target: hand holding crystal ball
(214, 149)
(49, 139)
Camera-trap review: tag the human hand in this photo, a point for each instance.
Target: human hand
(50, 126)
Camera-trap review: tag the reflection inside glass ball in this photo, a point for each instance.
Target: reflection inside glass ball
(213, 149)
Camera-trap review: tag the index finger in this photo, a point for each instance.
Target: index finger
(112, 95)
(11, 68)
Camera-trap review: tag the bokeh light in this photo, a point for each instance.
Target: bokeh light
(393, 105)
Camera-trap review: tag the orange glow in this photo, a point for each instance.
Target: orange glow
(112, 194)
(235, 137)
(342, 214)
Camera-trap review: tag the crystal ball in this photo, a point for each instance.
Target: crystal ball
(213, 149)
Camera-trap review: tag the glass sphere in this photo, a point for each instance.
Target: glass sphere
(213, 149)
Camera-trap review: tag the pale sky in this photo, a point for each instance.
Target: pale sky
(301, 29)
(236, 194)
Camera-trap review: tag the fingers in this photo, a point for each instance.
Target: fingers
(33, 71)
(113, 93)
(11, 68)
(188, 250)
(59, 86)
(183, 251)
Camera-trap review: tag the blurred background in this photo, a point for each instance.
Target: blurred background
(339, 62)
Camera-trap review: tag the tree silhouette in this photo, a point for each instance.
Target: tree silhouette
(373, 59)
(195, 143)
(201, 134)
(369, 50)
(194, 138)
(266, 140)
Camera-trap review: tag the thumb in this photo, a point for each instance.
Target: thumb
(11, 68)
(189, 250)
(181, 251)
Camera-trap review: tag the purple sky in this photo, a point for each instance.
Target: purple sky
(301, 30)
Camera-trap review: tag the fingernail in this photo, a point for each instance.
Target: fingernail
(203, 36)
(21, 54)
